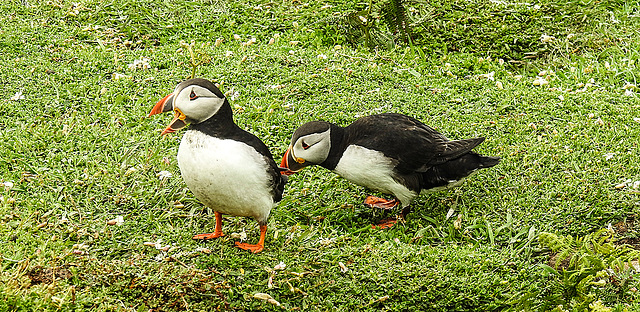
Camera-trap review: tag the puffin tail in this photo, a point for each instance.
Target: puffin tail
(488, 161)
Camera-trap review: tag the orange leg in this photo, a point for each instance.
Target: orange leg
(377, 202)
(257, 247)
(217, 232)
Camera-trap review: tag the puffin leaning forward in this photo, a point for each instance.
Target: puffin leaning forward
(390, 153)
(228, 169)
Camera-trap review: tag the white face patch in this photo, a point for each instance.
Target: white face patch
(373, 170)
(313, 148)
(197, 103)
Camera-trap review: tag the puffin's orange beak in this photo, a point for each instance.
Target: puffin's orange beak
(286, 160)
(163, 106)
(166, 105)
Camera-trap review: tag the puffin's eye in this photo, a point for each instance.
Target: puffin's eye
(305, 145)
(192, 96)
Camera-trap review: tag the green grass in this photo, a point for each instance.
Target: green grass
(78, 152)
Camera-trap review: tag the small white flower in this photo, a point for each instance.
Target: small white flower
(232, 94)
(488, 76)
(608, 156)
(142, 63)
(203, 250)
(322, 57)
(343, 268)
(7, 185)
(80, 246)
(241, 236)
(280, 266)
(130, 171)
(228, 54)
(117, 76)
(628, 92)
(16, 97)
(539, 81)
(164, 175)
(119, 220)
(546, 38)
(251, 41)
(272, 41)
(236, 37)
(636, 119)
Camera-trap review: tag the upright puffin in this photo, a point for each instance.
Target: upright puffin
(390, 153)
(228, 169)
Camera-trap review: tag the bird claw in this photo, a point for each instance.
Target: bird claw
(377, 202)
(250, 247)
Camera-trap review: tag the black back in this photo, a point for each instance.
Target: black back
(416, 146)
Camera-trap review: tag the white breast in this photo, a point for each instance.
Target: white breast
(226, 175)
(372, 169)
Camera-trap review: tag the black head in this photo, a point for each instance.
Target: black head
(310, 145)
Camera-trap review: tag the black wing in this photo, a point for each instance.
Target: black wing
(278, 181)
(416, 146)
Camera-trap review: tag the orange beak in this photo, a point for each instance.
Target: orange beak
(166, 105)
(288, 160)
(163, 106)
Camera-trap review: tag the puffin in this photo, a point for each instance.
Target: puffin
(227, 168)
(390, 153)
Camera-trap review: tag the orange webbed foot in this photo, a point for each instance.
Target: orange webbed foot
(217, 232)
(385, 224)
(377, 202)
(250, 247)
(208, 235)
(390, 222)
(257, 247)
